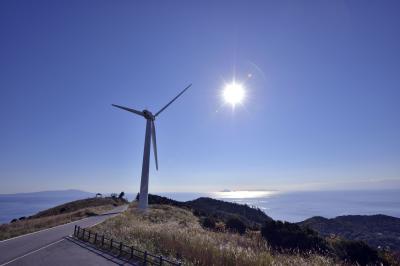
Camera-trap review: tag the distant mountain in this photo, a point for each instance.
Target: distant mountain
(379, 231)
(74, 193)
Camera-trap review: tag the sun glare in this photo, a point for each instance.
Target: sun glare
(233, 93)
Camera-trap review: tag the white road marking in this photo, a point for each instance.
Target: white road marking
(34, 251)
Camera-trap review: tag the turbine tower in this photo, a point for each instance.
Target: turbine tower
(150, 135)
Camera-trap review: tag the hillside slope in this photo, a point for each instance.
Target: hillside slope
(61, 214)
(218, 209)
(379, 231)
(212, 232)
(176, 233)
(225, 210)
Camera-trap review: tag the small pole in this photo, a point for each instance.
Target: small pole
(83, 234)
(111, 243)
(120, 248)
(95, 238)
(89, 236)
(131, 252)
(102, 240)
(145, 257)
(75, 230)
(161, 260)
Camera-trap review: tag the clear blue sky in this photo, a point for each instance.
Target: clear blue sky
(323, 105)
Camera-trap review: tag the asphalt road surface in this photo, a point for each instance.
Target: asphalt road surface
(52, 247)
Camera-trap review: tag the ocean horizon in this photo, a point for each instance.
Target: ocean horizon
(286, 206)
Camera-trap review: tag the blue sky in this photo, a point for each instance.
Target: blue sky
(321, 112)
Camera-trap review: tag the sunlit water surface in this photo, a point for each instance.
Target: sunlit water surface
(298, 206)
(289, 206)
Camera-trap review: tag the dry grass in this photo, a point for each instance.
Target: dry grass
(33, 225)
(175, 233)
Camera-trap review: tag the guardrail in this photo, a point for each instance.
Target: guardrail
(128, 252)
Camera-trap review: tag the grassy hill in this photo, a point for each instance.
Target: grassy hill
(61, 214)
(218, 210)
(379, 231)
(213, 232)
(176, 233)
(78, 205)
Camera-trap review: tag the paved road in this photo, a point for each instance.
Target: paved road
(35, 246)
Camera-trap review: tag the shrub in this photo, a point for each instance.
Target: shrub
(355, 252)
(289, 236)
(196, 213)
(90, 213)
(235, 225)
(208, 222)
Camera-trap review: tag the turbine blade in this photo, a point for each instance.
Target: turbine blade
(153, 137)
(162, 109)
(129, 109)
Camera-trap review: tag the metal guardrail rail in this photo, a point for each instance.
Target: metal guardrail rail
(122, 250)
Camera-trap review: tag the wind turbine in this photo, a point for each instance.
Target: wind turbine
(150, 134)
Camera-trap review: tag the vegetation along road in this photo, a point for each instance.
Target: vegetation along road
(51, 246)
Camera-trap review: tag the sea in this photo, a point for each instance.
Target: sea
(285, 206)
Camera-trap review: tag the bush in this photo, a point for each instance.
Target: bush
(90, 213)
(355, 252)
(235, 225)
(208, 222)
(196, 213)
(288, 236)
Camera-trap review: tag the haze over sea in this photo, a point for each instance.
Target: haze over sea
(288, 206)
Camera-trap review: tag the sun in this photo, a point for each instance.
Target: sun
(233, 93)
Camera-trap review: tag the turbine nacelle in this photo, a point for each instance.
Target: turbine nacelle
(148, 115)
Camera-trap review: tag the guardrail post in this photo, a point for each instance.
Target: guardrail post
(102, 240)
(145, 258)
(161, 260)
(111, 244)
(89, 236)
(75, 230)
(131, 252)
(120, 248)
(95, 239)
(83, 234)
